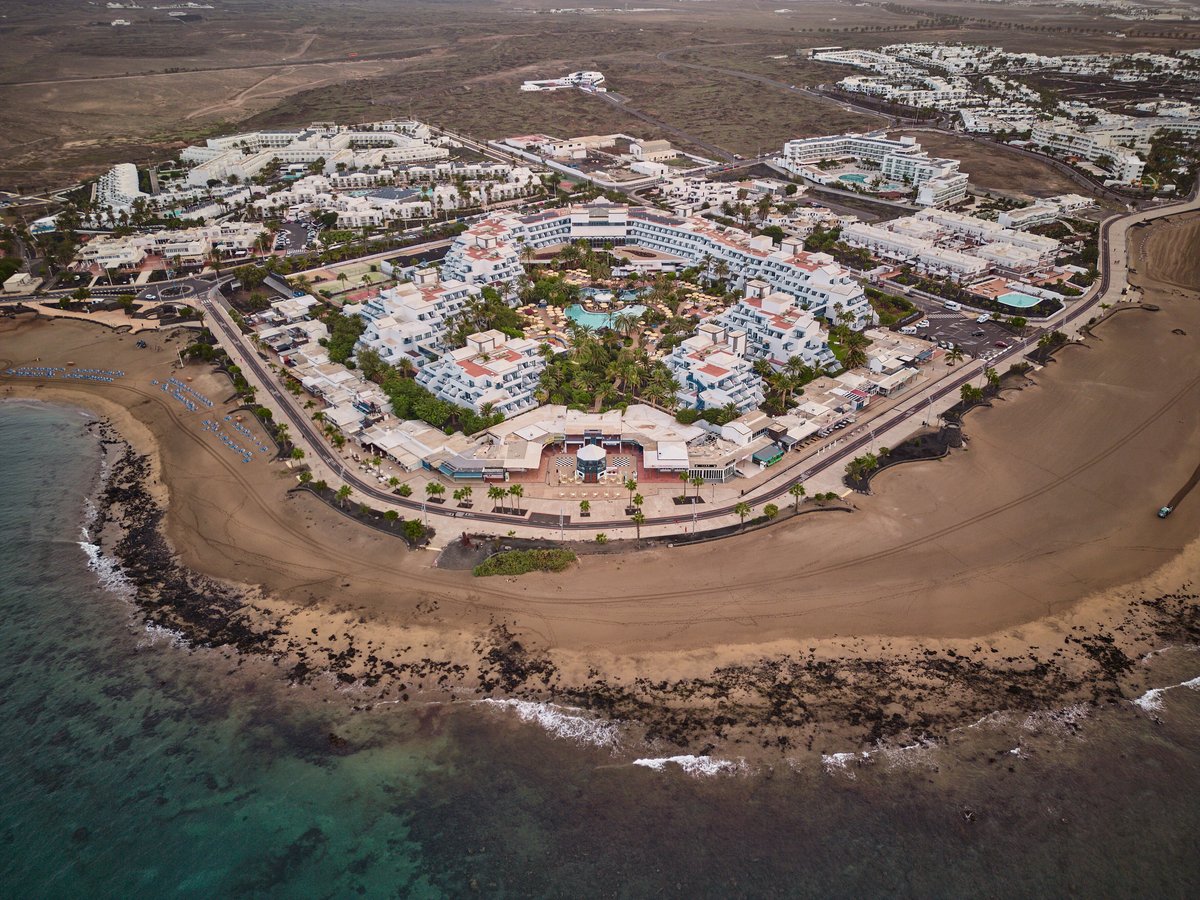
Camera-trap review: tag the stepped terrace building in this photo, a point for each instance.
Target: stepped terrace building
(777, 328)
(491, 252)
(713, 371)
(410, 321)
(491, 371)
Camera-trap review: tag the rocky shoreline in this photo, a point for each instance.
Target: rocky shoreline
(858, 696)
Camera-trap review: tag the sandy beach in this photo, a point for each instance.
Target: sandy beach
(1001, 576)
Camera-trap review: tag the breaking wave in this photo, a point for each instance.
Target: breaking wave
(563, 722)
(1152, 700)
(699, 766)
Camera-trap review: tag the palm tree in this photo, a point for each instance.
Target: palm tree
(585, 507)
(683, 476)
(953, 356)
(638, 500)
(639, 519)
(742, 508)
(434, 489)
(797, 491)
(517, 492)
(631, 486)
(343, 494)
(697, 482)
(393, 481)
(496, 494)
(992, 377)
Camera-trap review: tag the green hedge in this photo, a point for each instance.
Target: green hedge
(518, 562)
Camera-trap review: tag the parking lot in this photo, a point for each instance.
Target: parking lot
(948, 327)
(293, 237)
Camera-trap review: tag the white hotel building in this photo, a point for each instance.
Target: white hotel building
(777, 328)
(938, 181)
(491, 252)
(118, 188)
(491, 370)
(409, 321)
(713, 370)
(364, 146)
(190, 246)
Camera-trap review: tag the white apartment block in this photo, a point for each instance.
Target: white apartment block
(118, 188)
(366, 146)
(777, 328)
(491, 252)
(491, 370)
(882, 63)
(410, 320)
(713, 370)
(985, 231)
(920, 251)
(938, 181)
(1065, 138)
(188, 245)
(933, 93)
(1046, 210)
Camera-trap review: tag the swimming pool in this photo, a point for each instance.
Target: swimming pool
(855, 177)
(1018, 300)
(593, 320)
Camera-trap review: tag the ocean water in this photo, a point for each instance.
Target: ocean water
(133, 766)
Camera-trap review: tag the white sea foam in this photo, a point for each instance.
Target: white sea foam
(904, 757)
(840, 762)
(1152, 700)
(699, 766)
(563, 722)
(1056, 719)
(107, 569)
(157, 633)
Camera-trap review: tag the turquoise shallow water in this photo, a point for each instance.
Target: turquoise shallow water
(133, 767)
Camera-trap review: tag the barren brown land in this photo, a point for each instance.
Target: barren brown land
(79, 94)
(1022, 573)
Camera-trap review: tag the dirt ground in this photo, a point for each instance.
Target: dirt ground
(992, 168)
(80, 94)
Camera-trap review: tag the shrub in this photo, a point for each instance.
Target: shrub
(518, 562)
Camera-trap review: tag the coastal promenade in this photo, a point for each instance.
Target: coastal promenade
(820, 474)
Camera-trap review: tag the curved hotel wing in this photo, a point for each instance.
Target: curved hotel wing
(491, 252)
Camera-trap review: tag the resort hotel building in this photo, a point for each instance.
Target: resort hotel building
(410, 320)
(335, 147)
(491, 252)
(937, 181)
(189, 246)
(777, 328)
(118, 188)
(492, 372)
(713, 370)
